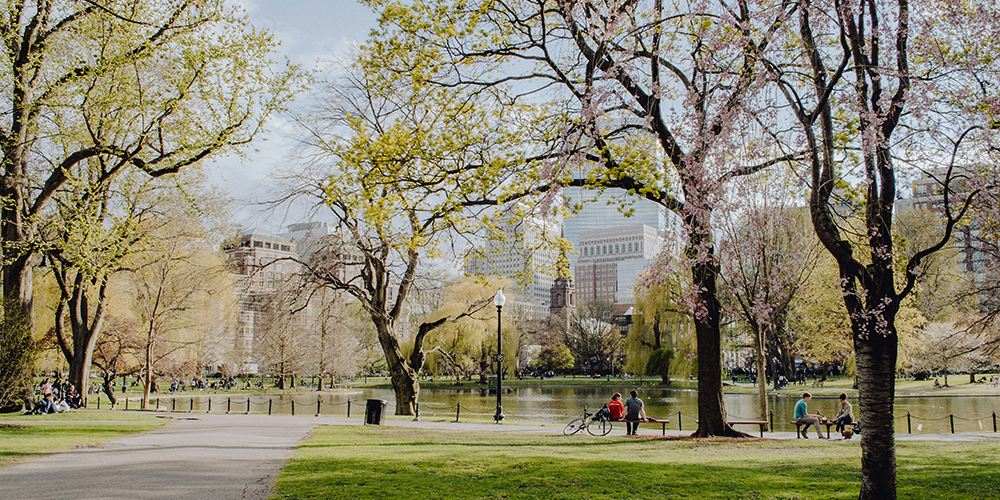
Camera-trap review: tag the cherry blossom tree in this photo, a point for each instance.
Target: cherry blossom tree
(661, 101)
(878, 87)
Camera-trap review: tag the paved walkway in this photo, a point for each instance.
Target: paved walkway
(218, 456)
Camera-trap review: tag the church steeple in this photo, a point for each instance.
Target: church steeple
(562, 296)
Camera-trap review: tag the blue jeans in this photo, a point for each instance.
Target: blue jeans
(631, 427)
(842, 422)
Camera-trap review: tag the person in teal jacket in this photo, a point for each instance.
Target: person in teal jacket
(802, 416)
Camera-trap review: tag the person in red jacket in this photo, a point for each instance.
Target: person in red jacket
(616, 407)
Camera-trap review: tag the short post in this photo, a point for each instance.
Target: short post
(173, 404)
(191, 409)
(209, 405)
(318, 403)
(909, 428)
(157, 402)
(269, 401)
(994, 416)
(994, 413)
(678, 420)
(771, 415)
(248, 404)
(293, 407)
(349, 408)
(952, 418)
(229, 403)
(458, 413)
(126, 403)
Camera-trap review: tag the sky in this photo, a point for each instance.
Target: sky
(312, 33)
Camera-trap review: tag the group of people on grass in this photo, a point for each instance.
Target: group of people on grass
(56, 397)
(845, 416)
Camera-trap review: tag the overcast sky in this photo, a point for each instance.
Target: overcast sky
(311, 32)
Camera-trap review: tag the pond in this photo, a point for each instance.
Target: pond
(556, 405)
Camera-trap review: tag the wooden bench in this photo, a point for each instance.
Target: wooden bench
(762, 423)
(798, 427)
(647, 421)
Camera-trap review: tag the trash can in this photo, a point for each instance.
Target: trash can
(375, 412)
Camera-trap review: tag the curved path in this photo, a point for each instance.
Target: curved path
(217, 456)
(197, 456)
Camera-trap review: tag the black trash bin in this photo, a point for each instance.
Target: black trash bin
(375, 412)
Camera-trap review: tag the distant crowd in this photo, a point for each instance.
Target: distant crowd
(52, 397)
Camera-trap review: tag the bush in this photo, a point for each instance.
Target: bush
(17, 353)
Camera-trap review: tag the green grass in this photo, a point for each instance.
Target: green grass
(26, 437)
(377, 463)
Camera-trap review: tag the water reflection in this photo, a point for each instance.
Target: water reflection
(557, 405)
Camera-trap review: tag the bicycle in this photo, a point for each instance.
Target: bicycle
(596, 424)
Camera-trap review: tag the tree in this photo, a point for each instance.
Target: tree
(116, 354)
(97, 89)
(766, 260)
(176, 282)
(592, 337)
(875, 87)
(659, 320)
(414, 168)
(655, 101)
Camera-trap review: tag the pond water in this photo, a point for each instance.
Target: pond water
(556, 405)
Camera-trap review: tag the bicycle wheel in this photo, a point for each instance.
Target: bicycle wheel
(599, 427)
(573, 427)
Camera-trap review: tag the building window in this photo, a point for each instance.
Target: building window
(257, 244)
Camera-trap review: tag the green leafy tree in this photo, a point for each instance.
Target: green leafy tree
(414, 168)
(96, 89)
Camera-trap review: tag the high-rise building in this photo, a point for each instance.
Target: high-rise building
(524, 254)
(260, 263)
(601, 211)
(611, 258)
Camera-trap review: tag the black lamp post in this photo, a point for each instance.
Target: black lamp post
(499, 300)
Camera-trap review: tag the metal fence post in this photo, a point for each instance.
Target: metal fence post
(269, 401)
(209, 405)
(678, 420)
(348, 408)
(771, 418)
(458, 413)
(952, 417)
(994, 418)
(319, 401)
(909, 429)
(191, 409)
(293, 406)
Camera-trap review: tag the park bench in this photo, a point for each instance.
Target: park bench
(827, 423)
(761, 423)
(648, 421)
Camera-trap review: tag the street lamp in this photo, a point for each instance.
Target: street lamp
(499, 300)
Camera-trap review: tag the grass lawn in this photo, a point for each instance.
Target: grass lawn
(414, 464)
(23, 437)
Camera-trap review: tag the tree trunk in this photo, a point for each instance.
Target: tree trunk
(711, 410)
(407, 388)
(109, 391)
(876, 357)
(761, 374)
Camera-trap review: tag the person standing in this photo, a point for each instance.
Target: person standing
(634, 412)
(802, 416)
(845, 413)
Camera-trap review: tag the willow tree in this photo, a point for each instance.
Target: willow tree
(94, 89)
(660, 100)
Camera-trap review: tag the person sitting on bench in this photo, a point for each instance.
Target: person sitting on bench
(802, 417)
(636, 412)
(616, 407)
